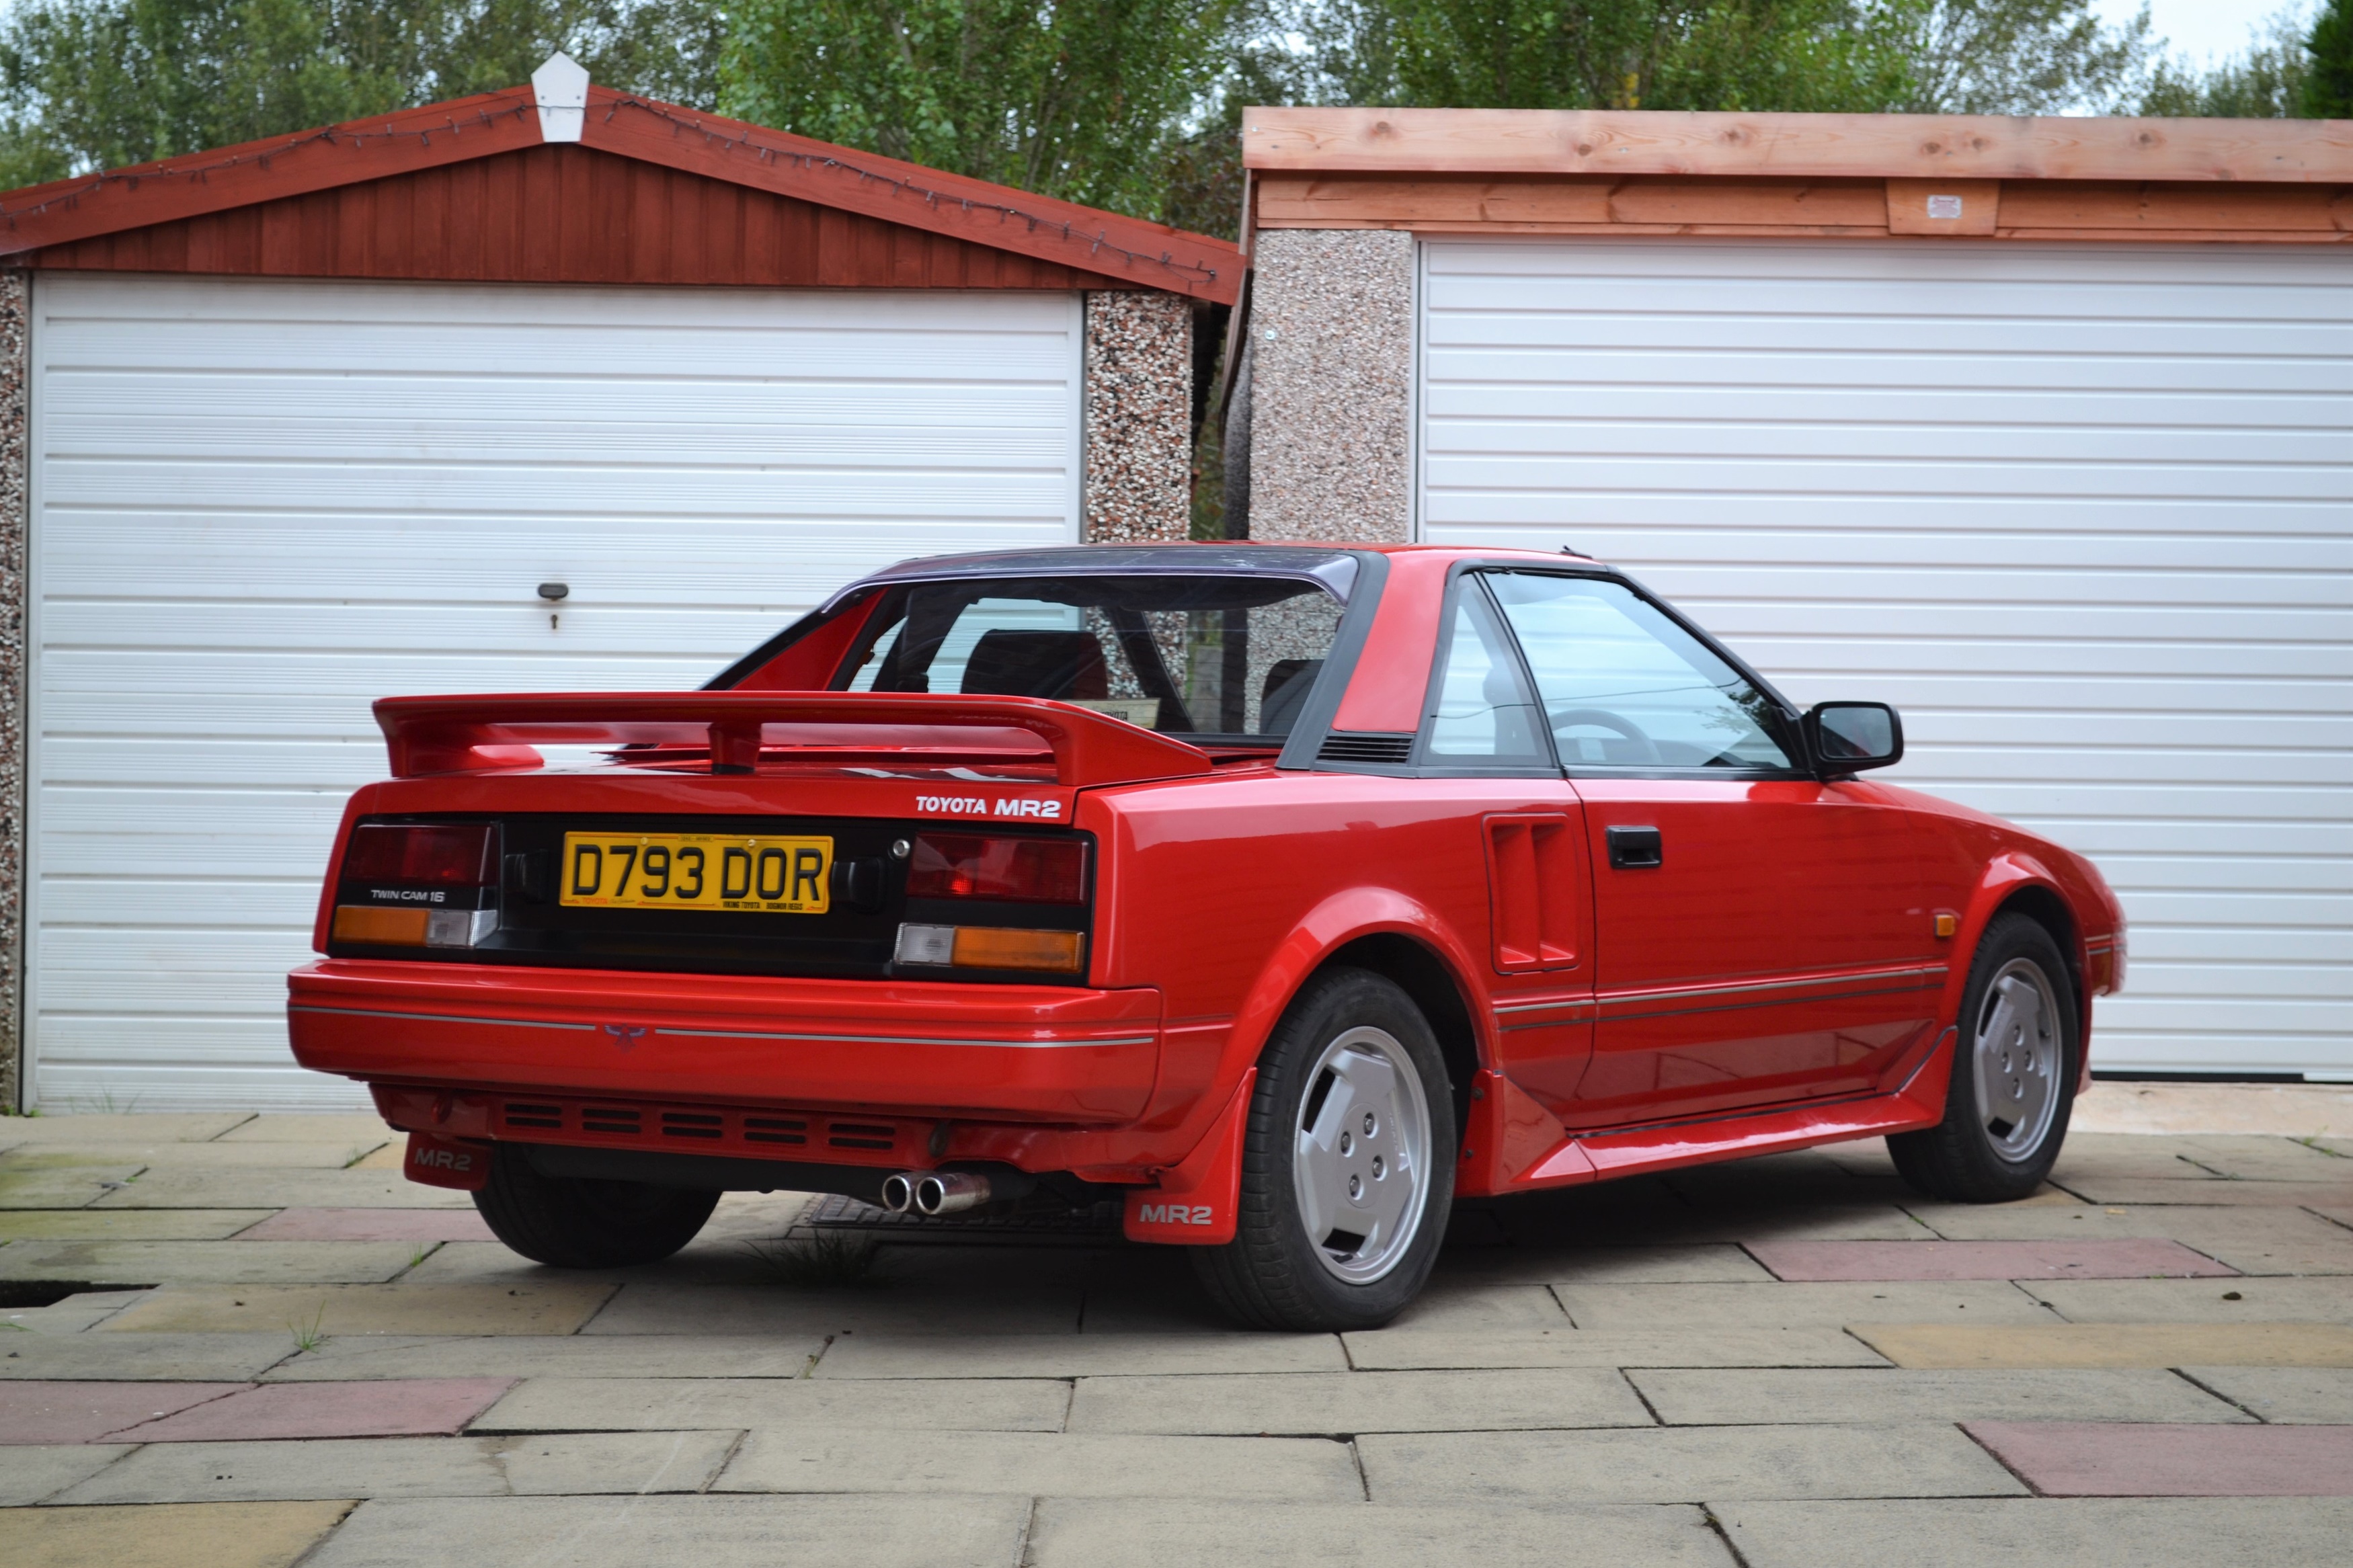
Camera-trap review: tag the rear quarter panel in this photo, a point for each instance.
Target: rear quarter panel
(1227, 893)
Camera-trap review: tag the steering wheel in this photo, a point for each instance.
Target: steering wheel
(1601, 718)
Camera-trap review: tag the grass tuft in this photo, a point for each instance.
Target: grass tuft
(829, 1260)
(307, 1336)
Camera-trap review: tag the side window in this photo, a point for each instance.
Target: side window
(1624, 685)
(1480, 709)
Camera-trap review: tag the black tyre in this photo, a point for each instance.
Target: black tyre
(575, 1223)
(1347, 1164)
(2014, 1070)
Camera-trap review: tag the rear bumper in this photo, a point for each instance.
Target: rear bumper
(996, 1053)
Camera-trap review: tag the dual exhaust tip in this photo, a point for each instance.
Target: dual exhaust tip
(935, 1193)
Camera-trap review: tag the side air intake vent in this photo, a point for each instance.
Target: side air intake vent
(1366, 748)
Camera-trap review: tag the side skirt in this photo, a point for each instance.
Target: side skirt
(1568, 1160)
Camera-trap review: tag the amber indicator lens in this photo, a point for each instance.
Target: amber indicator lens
(383, 926)
(1017, 870)
(451, 854)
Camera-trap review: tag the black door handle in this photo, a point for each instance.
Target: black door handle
(1634, 848)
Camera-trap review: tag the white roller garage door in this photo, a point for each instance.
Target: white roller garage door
(2086, 515)
(260, 504)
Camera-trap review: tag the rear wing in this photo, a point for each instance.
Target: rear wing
(429, 735)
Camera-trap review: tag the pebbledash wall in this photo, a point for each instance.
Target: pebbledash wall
(2041, 429)
(1027, 374)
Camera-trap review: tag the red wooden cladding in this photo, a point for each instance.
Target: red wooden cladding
(562, 214)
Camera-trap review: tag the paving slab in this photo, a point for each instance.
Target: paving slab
(353, 1356)
(2252, 1241)
(1395, 1349)
(1207, 1533)
(2090, 1458)
(195, 1157)
(63, 1186)
(184, 1358)
(393, 1156)
(659, 1307)
(39, 1411)
(36, 1472)
(167, 1262)
(1768, 1396)
(659, 1404)
(2110, 1344)
(944, 1532)
(1680, 1464)
(1344, 1404)
(2229, 1194)
(2277, 1300)
(558, 1307)
(282, 1127)
(2319, 1394)
(2079, 1534)
(1925, 1260)
(1045, 1464)
(1455, 1306)
(75, 1314)
(1079, 1355)
(370, 1225)
(1795, 1305)
(1709, 1263)
(265, 1188)
(181, 1126)
(126, 1224)
(563, 1463)
(2242, 1157)
(225, 1535)
(411, 1407)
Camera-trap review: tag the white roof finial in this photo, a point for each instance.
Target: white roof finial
(562, 87)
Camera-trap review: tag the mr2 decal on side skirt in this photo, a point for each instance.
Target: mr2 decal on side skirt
(975, 805)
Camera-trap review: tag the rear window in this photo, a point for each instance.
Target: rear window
(1218, 657)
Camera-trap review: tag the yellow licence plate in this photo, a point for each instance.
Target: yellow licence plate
(698, 871)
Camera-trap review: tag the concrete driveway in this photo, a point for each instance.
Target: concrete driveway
(234, 1341)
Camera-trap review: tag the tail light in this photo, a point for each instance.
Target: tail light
(419, 885)
(1012, 870)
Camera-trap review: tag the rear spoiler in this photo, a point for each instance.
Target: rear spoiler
(428, 736)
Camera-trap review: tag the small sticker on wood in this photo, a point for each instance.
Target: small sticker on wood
(1944, 206)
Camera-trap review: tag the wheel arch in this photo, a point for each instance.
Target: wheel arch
(1425, 978)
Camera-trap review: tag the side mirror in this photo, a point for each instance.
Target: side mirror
(1847, 737)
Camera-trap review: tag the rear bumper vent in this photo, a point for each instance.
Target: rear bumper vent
(709, 1129)
(1365, 747)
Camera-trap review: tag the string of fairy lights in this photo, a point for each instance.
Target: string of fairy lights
(334, 135)
(726, 138)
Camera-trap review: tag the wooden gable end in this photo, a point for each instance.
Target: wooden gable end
(563, 213)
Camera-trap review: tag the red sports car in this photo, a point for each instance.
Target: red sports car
(1285, 893)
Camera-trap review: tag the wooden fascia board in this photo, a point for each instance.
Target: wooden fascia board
(909, 194)
(1813, 146)
(171, 188)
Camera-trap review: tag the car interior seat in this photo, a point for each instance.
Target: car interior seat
(1062, 666)
(1288, 682)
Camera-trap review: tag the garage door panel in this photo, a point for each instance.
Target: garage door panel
(263, 503)
(412, 558)
(1975, 584)
(1482, 436)
(2204, 416)
(2162, 535)
(1940, 472)
(2085, 513)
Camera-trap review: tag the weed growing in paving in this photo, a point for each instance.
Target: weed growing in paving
(827, 1259)
(308, 1335)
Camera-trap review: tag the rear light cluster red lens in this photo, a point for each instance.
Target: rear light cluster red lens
(438, 855)
(1017, 871)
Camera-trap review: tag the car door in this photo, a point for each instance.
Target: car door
(1482, 726)
(1760, 933)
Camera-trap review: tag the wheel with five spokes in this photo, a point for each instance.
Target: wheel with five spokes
(1348, 1163)
(2014, 1069)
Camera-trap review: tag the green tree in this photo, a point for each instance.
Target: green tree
(2327, 88)
(2013, 57)
(2268, 82)
(100, 83)
(1085, 99)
